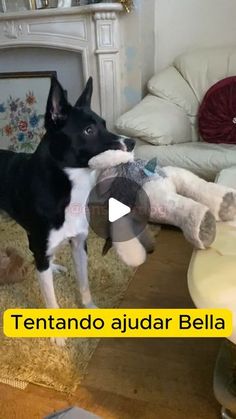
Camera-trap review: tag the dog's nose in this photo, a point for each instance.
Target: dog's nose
(130, 143)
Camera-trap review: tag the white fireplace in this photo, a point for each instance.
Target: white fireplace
(98, 40)
(92, 32)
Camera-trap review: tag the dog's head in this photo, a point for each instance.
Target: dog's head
(76, 133)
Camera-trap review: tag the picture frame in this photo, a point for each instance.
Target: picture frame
(22, 109)
(14, 6)
(43, 4)
(32, 5)
(64, 3)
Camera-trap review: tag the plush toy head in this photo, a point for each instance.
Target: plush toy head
(110, 158)
(121, 177)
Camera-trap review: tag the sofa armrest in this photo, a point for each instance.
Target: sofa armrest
(156, 121)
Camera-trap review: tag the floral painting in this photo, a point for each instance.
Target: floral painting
(22, 108)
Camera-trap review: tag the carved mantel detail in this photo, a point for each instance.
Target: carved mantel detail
(105, 16)
(108, 45)
(12, 30)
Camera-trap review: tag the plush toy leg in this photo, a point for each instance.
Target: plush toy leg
(194, 219)
(219, 199)
(130, 251)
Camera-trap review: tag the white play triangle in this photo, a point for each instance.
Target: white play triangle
(117, 210)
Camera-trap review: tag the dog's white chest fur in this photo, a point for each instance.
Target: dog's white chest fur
(75, 222)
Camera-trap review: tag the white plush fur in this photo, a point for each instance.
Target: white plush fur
(181, 199)
(190, 185)
(171, 208)
(110, 158)
(131, 252)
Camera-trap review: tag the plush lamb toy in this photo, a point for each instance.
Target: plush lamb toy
(177, 197)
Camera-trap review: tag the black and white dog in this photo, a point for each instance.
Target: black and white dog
(39, 190)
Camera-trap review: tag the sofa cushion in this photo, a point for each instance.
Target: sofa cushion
(156, 121)
(204, 67)
(227, 177)
(217, 113)
(206, 160)
(170, 85)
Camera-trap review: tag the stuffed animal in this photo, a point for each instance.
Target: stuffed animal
(176, 196)
(12, 266)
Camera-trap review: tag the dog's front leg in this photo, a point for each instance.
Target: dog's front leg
(45, 278)
(46, 285)
(79, 253)
(44, 270)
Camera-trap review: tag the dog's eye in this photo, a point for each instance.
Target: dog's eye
(89, 131)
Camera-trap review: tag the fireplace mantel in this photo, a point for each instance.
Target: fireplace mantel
(79, 10)
(93, 31)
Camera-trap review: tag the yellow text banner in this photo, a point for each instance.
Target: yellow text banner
(117, 323)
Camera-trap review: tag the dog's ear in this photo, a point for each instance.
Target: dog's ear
(86, 96)
(57, 106)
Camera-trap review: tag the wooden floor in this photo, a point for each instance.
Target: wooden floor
(132, 379)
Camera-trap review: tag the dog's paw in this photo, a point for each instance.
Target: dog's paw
(90, 305)
(58, 341)
(58, 269)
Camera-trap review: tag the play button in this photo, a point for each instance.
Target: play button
(117, 210)
(119, 205)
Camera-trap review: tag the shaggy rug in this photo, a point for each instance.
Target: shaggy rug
(37, 360)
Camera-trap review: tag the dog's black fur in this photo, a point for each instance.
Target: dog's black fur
(34, 188)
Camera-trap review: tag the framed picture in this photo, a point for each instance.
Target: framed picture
(64, 3)
(23, 101)
(43, 4)
(14, 5)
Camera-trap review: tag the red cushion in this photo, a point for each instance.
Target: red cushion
(217, 113)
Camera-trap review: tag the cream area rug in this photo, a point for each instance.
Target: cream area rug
(37, 360)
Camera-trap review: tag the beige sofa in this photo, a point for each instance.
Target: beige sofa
(165, 121)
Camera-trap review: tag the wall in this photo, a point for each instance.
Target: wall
(137, 50)
(185, 24)
(68, 65)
